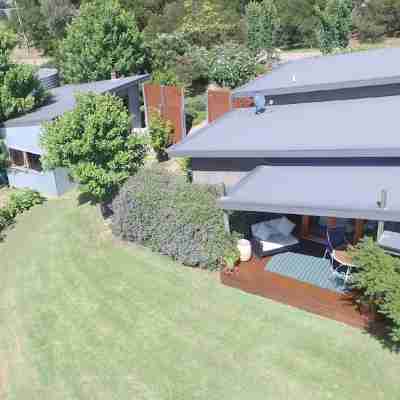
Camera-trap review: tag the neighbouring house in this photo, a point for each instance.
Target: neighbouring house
(320, 148)
(22, 134)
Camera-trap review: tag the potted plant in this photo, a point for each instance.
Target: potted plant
(231, 259)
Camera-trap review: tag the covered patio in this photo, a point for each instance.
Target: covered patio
(300, 275)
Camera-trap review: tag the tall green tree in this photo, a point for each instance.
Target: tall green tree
(7, 43)
(103, 38)
(20, 90)
(96, 143)
(262, 25)
(298, 22)
(335, 25)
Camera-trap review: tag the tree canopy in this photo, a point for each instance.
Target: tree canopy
(262, 25)
(96, 143)
(102, 39)
(335, 25)
(211, 22)
(20, 90)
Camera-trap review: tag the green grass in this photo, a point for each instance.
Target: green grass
(84, 317)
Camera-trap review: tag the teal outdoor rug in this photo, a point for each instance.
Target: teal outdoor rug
(313, 270)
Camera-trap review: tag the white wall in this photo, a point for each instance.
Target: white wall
(43, 182)
(24, 138)
(50, 183)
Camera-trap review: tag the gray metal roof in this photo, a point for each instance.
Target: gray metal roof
(63, 99)
(349, 70)
(349, 128)
(343, 192)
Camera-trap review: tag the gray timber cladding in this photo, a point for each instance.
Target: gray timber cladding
(349, 128)
(350, 70)
(343, 192)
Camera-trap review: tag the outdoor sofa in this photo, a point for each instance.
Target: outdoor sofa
(273, 236)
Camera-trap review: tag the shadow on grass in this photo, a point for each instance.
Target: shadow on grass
(3, 233)
(380, 330)
(104, 207)
(376, 325)
(86, 198)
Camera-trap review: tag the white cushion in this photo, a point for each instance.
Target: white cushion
(262, 230)
(277, 242)
(285, 227)
(274, 223)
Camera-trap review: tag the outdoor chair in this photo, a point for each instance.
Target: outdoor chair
(340, 269)
(336, 237)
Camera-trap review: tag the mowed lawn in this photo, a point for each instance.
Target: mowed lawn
(84, 317)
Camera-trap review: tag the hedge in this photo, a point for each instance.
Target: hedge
(378, 279)
(18, 202)
(173, 217)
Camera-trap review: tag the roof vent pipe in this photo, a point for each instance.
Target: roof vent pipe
(382, 203)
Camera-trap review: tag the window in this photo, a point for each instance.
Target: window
(34, 162)
(26, 160)
(17, 158)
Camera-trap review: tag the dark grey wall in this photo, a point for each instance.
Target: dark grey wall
(230, 171)
(340, 94)
(131, 96)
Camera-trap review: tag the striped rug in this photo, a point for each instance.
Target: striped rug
(309, 269)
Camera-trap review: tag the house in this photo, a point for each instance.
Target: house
(329, 127)
(324, 150)
(22, 134)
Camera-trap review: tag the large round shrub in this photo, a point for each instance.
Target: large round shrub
(231, 65)
(102, 39)
(173, 217)
(94, 141)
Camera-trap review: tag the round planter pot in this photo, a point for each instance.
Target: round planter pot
(244, 247)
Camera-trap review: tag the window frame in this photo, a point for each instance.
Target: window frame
(27, 164)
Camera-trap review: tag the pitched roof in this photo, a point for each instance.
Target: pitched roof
(349, 70)
(349, 128)
(342, 192)
(62, 99)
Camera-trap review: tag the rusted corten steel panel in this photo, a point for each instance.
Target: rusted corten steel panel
(169, 101)
(219, 103)
(153, 96)
(174, 110)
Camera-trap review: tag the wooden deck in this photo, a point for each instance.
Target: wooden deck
(253, 278)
